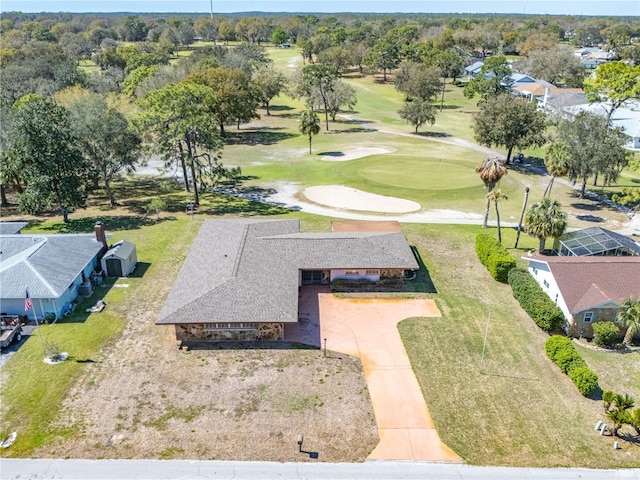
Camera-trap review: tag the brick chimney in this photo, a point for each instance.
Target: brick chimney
(100, 235)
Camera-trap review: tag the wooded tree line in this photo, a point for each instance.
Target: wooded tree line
(180, 109)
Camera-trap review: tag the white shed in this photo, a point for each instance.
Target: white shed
(120, 260)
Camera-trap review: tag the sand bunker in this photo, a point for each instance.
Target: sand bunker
(353, 154)
(339, 196)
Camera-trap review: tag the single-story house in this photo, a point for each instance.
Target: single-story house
(241, 278)
(473, 69)
(120, 260)
(595, 241)
(587, 289)
(51, 267)
(626, 117)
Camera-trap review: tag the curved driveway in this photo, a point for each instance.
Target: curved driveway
(367, 328)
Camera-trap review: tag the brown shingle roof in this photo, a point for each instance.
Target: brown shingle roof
(586, 282)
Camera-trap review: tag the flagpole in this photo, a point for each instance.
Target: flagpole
(35, 317)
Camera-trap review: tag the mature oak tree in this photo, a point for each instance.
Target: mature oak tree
(105, 139)
(509, 121)
(54, 169)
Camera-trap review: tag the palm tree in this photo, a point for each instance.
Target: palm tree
(491, 170)
(629, 318)
(620, 415)
(309, 124)
(607, 399)
(545, 219)
(497, 196)
(557, 163)
(618, 418)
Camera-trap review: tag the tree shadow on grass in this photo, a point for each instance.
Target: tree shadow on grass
(111, 223)
(257, 136)
(434, 134)
(279, 108)
(243, 201)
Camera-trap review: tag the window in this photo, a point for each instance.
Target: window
(534, 270)
(352, 272)
(587, 317)
(545, 283)
(373, 271)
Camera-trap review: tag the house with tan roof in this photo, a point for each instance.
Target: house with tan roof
(241, 278)
(587, 289)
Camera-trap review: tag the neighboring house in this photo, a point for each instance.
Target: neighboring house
(241, 278)
(11, 228)
(120, 260)
(51, 267)
(556, 104)
(473, 69)
(595, 241)
(587, 289)
(516, 79)
(626, 117)
(542, 92)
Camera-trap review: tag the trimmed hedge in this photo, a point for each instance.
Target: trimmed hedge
(493, 255)
(585, 379)
(562, 352)
(605, 334)
(534, 301)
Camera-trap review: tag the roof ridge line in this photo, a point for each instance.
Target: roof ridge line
(42, 279)
(243, 240)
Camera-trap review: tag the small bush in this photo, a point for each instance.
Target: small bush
(494, 256)
(556, 344)
(605, 334)
(585, 379)
(534, 301)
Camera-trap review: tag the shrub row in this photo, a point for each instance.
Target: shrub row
(494, 256)
(562, 352)
(534, 301)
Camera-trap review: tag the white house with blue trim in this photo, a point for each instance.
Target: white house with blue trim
(51, 266)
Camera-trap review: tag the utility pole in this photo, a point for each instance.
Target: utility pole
(211, 9)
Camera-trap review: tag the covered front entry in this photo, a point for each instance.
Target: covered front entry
(315, 277)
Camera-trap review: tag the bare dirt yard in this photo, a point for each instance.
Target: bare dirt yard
(145, 398)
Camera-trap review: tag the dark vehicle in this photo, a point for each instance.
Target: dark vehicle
(518, 157)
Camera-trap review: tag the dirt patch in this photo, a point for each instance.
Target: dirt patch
(144, 398)
(339, 196)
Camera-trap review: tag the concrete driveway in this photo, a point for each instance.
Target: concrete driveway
(367, 328)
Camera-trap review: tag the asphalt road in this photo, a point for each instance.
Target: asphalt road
(15, 469)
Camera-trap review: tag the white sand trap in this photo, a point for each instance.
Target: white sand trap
(353, 154)
(339, 196)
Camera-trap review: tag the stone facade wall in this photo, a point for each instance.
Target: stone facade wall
(194, 332)
(577, 326)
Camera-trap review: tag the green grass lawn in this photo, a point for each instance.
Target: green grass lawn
(517, 408)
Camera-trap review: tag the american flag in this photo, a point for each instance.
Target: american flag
(27, 302)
